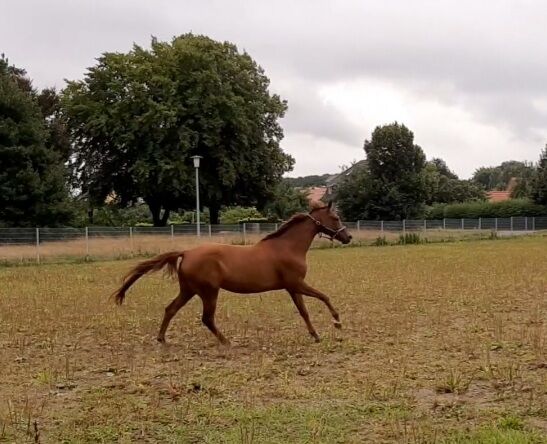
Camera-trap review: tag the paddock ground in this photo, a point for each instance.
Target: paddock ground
(441, 343)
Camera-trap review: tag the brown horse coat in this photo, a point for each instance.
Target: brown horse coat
(276, 262)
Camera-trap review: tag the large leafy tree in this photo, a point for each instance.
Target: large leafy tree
(286, 202)
(307, 181)
(33, 187)
(136, 119)
(539, 183)
(392, 186)
(443, 186)
(395, 163)
(499, 177)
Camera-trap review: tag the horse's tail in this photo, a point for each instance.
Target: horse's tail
(156, 263)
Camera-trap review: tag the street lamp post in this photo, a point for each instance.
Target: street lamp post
(196, 166)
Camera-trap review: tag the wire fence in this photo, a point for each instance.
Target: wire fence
(51, 244)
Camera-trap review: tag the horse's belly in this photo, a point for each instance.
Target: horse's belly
(253, 277)
(250, 284)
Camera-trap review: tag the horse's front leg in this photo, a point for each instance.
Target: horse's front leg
(299, 302)
(305, 289)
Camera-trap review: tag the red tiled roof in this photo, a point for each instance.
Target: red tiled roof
(498, 196)
(315, 193)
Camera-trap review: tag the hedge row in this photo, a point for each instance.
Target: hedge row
(474, 210)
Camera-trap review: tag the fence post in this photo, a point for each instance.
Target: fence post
(444, 223)
(511, 224)
(533, 223)
(404, 227)
(496, 224)
(131, 238)
(244, 233)
(172, 233)
(38, 245)
(526, 223)
(275, 227)
(210, 231)
(382, 227)
(463, 223)
(358, 225)
(480, 223)
(86, 242)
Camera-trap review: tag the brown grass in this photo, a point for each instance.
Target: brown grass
(443, 342)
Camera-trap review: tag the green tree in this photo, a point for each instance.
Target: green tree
(443, 186)
(58, 138)
(539, 183)
(33, 188)
(499, 177)
(352, 195)
(396, 186)
(307, 181)
(392, 185)
(286, 202)
(137, 118)
(233, 215)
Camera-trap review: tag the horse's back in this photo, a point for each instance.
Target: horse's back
(243, 269)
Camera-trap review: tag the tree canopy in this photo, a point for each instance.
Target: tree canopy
(286, 202)
(392, 186)
(539, 182)
(498, 177)
(136, 119)
(443, 186)
(33, 189)
(307, 181)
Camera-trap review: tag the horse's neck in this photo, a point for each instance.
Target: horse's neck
(299, 237)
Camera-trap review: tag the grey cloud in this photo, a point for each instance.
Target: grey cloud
(308, 114)
(491, 55)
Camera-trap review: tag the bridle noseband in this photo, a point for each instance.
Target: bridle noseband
(332, 233)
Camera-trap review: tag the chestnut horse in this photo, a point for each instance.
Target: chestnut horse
(277, 262)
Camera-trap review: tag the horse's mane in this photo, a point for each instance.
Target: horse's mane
(299, 217)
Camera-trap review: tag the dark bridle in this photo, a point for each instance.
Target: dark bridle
(331, 233)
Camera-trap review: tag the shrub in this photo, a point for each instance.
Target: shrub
(380, 241)
(474, 210)
(410, 238)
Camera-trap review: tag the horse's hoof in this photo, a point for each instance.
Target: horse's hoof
(338, 325)
(317, 339)
(161, 340)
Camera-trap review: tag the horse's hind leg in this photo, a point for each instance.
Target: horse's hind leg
(209, 299)
(172, 309)
(299, 302)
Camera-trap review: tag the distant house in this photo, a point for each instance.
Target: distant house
(315, 194)
(334, 180)
(498, 196)
(324, 192)
(501, 196)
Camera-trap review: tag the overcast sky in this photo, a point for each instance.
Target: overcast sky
(468, 77)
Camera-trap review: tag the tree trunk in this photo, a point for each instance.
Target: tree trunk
(165, 217)
(214, 211)
(155, 209)
(159, 220)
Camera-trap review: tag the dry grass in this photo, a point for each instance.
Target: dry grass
(441, 343)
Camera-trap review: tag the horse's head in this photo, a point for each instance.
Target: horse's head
(328, 222)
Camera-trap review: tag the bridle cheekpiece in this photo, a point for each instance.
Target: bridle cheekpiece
(331, 233)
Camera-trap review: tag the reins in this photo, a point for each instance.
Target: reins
(333, 233)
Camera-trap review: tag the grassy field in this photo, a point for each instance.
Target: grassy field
(441, 343)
